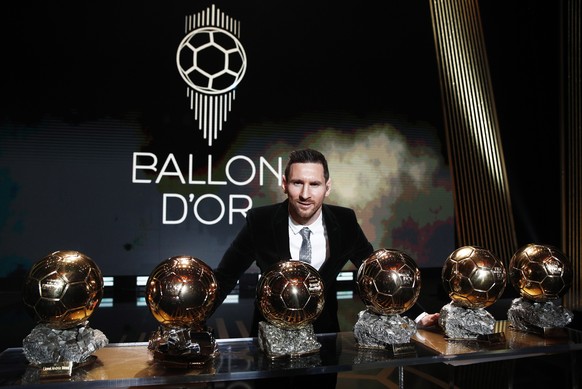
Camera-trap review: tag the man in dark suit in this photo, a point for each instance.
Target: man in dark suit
(272, 234)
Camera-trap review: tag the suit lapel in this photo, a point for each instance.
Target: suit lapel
(281, 231)
(333, 238)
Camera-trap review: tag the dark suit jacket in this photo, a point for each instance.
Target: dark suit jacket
(264, 239)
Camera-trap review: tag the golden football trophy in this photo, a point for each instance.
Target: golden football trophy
(542, 275)
(61, 291)
(290, 296)
(389, 284)
(474, 279)
(180, 294)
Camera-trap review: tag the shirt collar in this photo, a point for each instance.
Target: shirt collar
(315, 227)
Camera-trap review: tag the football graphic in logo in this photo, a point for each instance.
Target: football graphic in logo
(211, 60)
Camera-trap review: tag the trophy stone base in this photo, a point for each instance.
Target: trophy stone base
(183, 347)
(469, 324)
(57, 351)
(385, 332)
(277, 342)
(544, 319)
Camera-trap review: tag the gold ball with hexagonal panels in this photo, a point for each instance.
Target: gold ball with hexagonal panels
(473, 277)
(389, 282)
(63, 289)
(181, 291)
(540, 272)
(290, 295)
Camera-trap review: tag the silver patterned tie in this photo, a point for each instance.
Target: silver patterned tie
(305, 251)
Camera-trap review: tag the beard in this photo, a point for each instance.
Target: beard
(304, 213)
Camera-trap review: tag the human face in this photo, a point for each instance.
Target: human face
(306, 188)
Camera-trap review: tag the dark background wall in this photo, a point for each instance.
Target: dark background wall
(525, 58)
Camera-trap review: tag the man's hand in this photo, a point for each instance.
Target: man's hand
(428, 319)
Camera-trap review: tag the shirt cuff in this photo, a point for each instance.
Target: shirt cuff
(420, 317)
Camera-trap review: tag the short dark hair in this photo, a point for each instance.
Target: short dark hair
(307, 156)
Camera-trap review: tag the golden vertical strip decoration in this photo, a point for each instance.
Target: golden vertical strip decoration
(483, 213)
(572, 147)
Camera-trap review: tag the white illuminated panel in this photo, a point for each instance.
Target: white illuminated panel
(141, 280)
(231, 299)
(345, 276)
(345, 295)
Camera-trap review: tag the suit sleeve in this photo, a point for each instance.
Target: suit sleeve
(362, 247)
(239, 256)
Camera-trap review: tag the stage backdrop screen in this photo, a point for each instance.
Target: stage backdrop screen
(136, 131)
